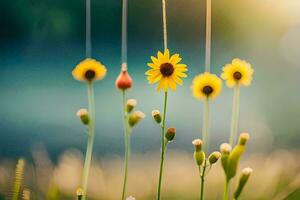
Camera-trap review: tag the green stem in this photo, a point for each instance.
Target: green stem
(225, 194)
(205, 127)
(127, 145)
(235, 115)
(202, 177)
(91, 134)
(163, 147)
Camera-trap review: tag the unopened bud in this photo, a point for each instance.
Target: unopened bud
(79, 193)
(131, 103)
(199, 157)
(243, 139)
(135, 117)
(225, 148)
(170, 134)
(83, 115)
(197, 144)
(214, 157)
(156, 116)
(246, 172)
(124, 80)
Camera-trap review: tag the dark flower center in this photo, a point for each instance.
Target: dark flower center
(90, 74)
(166, 69)
(237, 76)
(207, 90)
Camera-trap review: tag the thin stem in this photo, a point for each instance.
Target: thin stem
(124, 32)
(205, 126)
(208, 36)
(88, 40)
(91, 134)
(163, 146)
(225, 194)
(127, 145)
(164, 11)
(202, 177)
(235, 115)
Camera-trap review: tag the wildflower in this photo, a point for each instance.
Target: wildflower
(131, 103)
(214, 157)
(123, 81)
(170, 134)
(135, 118)
(206, 85)
(239, 72)
(83, 115)
(156, 116)
(166, 70)
(89, 70)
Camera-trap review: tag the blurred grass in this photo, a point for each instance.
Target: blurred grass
(276, 176)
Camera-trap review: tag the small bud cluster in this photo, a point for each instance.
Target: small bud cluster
(134, 116)
(170, 133)
(230, 160)
(199, 154)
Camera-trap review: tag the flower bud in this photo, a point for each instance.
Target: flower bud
(243, 139)
(79, 193)
(131, 103)
(199, 157)
(135, 117)
(156, 116)
(83, 115)
(214, 157)
(233, 160)
(170, 134)
(197, 144)
(246, 172)
(225, 148)
(124, 80)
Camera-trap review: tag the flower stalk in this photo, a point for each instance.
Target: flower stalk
(163, 147)
(205, 127)
(202, 178)
(235, 114)
(90, 143)
(127, 145)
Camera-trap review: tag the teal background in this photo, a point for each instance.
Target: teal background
(42, 41)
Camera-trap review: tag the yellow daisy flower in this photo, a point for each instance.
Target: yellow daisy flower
(166, 70)
(206, 85)
(89, 70)
(239, 72)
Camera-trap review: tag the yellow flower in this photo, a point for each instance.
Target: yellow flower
(239, 72)
(166, 70)
(89, 70)
(206, 85)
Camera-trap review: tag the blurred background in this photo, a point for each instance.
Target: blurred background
(42, 41)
